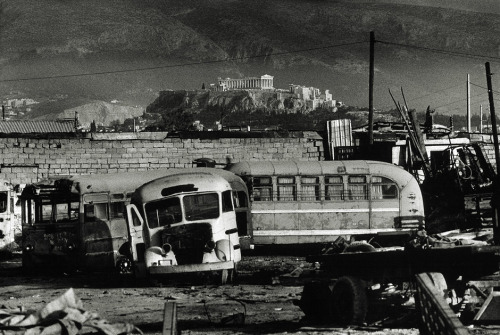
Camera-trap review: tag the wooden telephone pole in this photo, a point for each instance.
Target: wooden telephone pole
(370, 91)
(496, 195)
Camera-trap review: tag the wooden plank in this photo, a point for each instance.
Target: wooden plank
(170, 318)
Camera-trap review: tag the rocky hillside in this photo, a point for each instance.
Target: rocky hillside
(125, 49)
(197, 101)
(102, 113)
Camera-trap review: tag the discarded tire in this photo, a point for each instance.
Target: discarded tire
(316, 302)
(349, 301)
(359, 246)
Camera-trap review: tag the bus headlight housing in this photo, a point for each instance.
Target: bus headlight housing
(157, 256)
(70, 247)
(223, 250)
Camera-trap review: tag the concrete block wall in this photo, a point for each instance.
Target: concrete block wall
(26, 160)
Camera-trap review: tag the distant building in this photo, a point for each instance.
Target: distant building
(313, 96)
(265, 82)
(38, 127)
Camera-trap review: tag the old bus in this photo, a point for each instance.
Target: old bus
(10, 223)
(184, 222)
(80, 222)
(302, 202)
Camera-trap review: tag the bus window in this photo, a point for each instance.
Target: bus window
(262, 189)
(227, 204)
(94, 212)
(286, 189)
(116, 210)
(201, 206)
(3, 202)
(334, 188)
(164, 212)
(383, 188)
(309, 187)
(357, 188)
(66, 211)
(240, 199)
(45, 212)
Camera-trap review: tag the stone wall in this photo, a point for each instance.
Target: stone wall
(28, 159)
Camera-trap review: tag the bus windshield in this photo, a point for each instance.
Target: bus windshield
(201, 206)
(164, 212)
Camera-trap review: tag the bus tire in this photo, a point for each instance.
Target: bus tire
(28, 266)
(359, 246)
(349, 301)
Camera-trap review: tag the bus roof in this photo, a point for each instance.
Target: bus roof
(123, 182)
(5, 185)
(187, 181)
(308, 168)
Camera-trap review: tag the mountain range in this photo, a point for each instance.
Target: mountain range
(130, 50)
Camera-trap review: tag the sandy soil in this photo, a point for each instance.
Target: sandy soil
(259, 303)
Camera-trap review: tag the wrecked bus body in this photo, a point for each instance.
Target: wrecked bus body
(184, 222)
(79, 222)
(315, 202)
(9, 217)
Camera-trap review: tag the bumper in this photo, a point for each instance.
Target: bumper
(161, 269)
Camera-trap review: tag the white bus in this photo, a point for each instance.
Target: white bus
(10, 223)
(184, 222)
(313, 202)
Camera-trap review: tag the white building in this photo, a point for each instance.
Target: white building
(265, 82)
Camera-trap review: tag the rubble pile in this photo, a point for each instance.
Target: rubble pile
(64, 315)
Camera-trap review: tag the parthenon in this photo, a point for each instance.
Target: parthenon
(262, 83)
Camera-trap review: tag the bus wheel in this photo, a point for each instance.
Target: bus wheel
(349, 301)
(28, 266)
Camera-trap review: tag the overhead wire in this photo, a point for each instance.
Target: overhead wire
(181, 65)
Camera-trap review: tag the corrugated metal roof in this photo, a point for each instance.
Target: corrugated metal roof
(29, 127)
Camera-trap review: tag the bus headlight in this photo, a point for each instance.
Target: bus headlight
(167, 248)
(70, 247)
(223, 250)
(209, 246)
(29, 248)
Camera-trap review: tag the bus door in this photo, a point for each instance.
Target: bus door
(97, 239)
(135, 225)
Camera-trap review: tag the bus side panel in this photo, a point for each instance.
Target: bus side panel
(384, 213)
(286, 222)
(6, 232)
(102, 240)
(348, 215)
(49, 246)
(263, 220)
(312, 223)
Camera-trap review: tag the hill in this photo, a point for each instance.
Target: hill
(94, 45)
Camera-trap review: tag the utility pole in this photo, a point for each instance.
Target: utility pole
(370, 91)
(468, 104)
(480, 118)
(496, 196)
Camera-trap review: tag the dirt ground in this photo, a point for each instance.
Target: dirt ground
(258, 303)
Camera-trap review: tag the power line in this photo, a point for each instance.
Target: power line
(180, 65)
(484, 87)
(446, 52)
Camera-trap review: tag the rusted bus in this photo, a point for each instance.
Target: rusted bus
(185, 222)
(294, 202)
(78, 221)
(10, 223)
